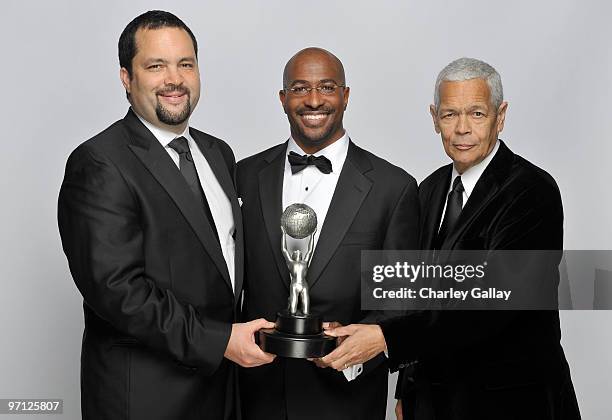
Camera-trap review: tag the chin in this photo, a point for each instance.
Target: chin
(314, 138)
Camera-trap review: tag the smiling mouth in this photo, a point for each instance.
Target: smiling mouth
(314, 119)
(173, 97)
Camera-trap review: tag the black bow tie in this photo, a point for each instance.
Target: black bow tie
(298, 163)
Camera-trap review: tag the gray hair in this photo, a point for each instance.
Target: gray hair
(470, 68)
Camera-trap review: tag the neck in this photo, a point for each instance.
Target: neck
(461, 169)
(176, 129)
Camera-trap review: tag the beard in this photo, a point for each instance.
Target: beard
(173, 118)
(311, 139)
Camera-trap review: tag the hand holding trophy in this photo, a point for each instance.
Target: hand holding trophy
(298, 332)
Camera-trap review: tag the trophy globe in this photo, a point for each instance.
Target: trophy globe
(299, 220)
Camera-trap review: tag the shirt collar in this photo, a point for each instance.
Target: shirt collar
(335, 152)
(470, 177)
(163, 136)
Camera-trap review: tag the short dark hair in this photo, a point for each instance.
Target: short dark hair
(153, 19)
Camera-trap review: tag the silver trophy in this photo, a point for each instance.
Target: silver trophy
(298, 221)
(298, 332)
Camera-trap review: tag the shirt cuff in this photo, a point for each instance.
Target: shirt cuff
(353, 372)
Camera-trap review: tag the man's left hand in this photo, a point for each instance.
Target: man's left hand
(327, 326)
(362, 343)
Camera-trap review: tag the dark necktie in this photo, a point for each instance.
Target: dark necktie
(454, 204)
(298, 163)
(188, 169)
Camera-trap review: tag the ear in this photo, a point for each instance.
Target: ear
(282, 96)
(125, 78)
(347, 93)
(434, 116)
(501, 116)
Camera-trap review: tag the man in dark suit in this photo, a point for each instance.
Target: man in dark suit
(472, 365)
(151, 227)
(362, 202)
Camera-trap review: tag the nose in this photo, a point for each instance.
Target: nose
(463, 124)
(313, 99)
(173, 76)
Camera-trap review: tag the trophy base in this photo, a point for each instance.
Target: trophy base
(297, 336)
(296, 346)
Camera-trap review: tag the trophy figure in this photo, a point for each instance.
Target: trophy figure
(298, 267)
(298, 332)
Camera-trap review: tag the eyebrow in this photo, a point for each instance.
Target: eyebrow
(306, 82)
(468, 109)
(161, 60)
(478, 106)
(153, 60)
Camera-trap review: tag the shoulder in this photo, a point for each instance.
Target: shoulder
(525, 176)
(259, 160)
(382, 171)
(225, 149)
(98, 164)
(100, 147)
(439, 175)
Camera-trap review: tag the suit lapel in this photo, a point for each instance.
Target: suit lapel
(271, 199)
(211, 152)
(484, 190)
(351, 190)
(153, 156)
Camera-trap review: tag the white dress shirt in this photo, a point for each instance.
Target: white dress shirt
(316, 189)
(219, 203)
(469, 178)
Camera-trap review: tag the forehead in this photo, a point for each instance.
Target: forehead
(313, 68)
(473, 91)
(163, 42)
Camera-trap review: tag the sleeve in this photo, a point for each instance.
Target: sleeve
(102, 237)
(402, 234)
(403, 227)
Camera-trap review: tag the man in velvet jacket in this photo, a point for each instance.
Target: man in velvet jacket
(151, 227)
(473, 365)
(362, 202)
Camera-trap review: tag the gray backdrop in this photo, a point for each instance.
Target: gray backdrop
(61, 86)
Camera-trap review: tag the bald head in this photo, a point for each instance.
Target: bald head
(313, 55)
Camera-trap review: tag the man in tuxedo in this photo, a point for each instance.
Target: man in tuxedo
(151, 227)
(472, 365)
(362, 202)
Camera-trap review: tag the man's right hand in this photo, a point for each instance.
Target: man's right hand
(242, 349)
